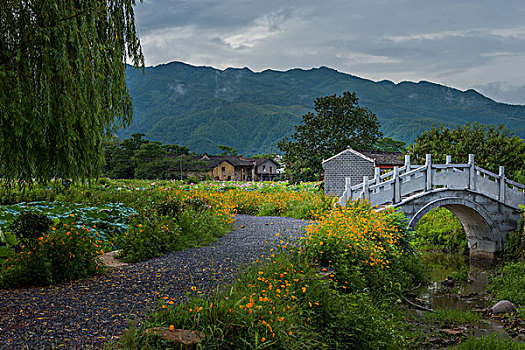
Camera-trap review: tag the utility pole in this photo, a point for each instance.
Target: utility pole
(180, 162)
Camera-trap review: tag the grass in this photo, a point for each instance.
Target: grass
(451, 317)
(490, 343)
(510, 283)
(277, 304)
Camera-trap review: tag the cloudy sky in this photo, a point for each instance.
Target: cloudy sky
(466, 44)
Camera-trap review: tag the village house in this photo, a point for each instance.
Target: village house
(356, 164)
(240, 168)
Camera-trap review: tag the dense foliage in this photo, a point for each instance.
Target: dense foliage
(63, 253)
(338, 123)
(515, 244)
(62, 84)
(202, 107)
(440, 230)
(138, 158)
(492, 146)
(509, 284)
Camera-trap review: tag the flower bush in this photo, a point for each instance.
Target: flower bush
(65, 253)
(150, 235)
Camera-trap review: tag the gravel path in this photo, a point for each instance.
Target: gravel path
(91, 311)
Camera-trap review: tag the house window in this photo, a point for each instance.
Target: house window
(271, 169)
(264, 167)
(223, 169)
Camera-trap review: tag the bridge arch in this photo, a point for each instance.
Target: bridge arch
(482, 231)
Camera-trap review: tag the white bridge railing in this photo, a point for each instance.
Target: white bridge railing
(403, 182)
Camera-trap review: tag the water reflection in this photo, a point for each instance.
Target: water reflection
(457, 282)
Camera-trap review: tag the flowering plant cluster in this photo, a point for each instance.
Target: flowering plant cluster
(64, 253)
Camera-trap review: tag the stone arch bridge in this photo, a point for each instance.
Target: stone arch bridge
(486, 204)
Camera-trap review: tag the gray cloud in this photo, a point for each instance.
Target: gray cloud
(500, 90)
(460, 43)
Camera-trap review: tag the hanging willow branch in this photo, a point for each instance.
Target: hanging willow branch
(62, 84)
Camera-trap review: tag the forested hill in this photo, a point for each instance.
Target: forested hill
(203, 107)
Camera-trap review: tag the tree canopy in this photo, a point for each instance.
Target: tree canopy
(138, 158)
(338, 122)
(62, 84)
(492, 146)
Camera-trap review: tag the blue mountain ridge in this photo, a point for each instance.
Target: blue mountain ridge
(203, 107)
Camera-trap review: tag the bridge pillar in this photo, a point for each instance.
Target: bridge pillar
(483, 241)
(501, 195)
(428, 163)
(407, 162)
(472, 173)
(397, 192)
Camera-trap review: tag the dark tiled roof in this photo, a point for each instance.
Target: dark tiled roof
(260, 161)
(235, 161)
(384, 158)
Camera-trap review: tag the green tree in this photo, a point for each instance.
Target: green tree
(492, 146)
(139, 158)
(62, 84)
(118, 156)
(338, 123)
(228, 151)
(153, 163)
(387, 144)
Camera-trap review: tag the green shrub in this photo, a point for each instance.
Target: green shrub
(170, 207)
(149, 235)
(515, 243)
(104, 181)
(197, 204)
(29, 226)
(153, 232)
(440, 230)
(509, 284)
(198, 229)
(367, 250)
(193, 179)
(65, 254)
(175, 206)
(268, 209)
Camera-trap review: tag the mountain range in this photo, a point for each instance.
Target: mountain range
(203, 107)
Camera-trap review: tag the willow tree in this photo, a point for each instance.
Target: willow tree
(62, 84)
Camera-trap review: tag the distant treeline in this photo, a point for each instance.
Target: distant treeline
(138, 158)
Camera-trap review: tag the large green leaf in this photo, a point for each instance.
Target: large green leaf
(8, 238)
(6, 252)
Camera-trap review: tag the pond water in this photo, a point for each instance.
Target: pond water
(457, 282)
